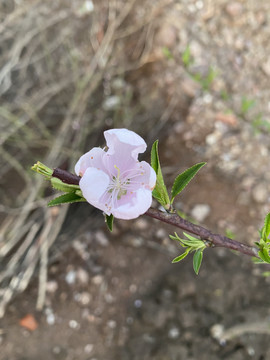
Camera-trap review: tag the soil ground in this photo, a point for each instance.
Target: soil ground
(117, 296)
(127, 301)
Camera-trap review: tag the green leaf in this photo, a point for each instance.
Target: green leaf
(263, 256)
(160, 192)
(186, 57)
(109, 221)
(197, 261)
(176, 237)
(184, 178)
(167, 53)
(154, 157)
(257, 261)
(267, 226)
(266, 254)
(190, 237)
(180, 257)
(60, 185)
(247, 104)
(66, 198)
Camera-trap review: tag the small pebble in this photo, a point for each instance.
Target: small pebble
(173, 333)
(50, 319)
(56, 350)
(111, 324)
(73, 324)
(251, 351)
(200, 212)
(234, 9)
(109, 298)
(166, 36)
(85, 298)
(82, 276)
(138, 303)
(260, 193)
(88, 348)
(111, 103)
(133, 288)
(211, 139)
(71, 277)
(51, 286)
(101, 239)
(97, 280)
(217, 331)
(141, 224)
(161, 233)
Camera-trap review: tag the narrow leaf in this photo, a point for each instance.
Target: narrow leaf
(154, 156)
(160, 192)
(109, 221)
(267, 225)
(184, 178)
(197, 261)
(266, 255)
(190, 237)
(176, 237)
(263, 257)
(66, 198)
(180, 257)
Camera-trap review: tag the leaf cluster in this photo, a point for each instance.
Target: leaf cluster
(72, 192)
(264, 243)
(160, 192)
(191, 244)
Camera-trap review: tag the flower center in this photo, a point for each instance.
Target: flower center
(118, 186)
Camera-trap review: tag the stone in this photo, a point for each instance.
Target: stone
(166, 36)
(260, 193)
(101, 238)
(111, 103)
(234, 9)
(82, 276)
(200, 212)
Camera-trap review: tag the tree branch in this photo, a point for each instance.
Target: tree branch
(213, 240)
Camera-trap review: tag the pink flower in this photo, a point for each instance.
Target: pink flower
(114, 181)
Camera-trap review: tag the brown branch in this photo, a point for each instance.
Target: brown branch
(214, 240)
(204, 234)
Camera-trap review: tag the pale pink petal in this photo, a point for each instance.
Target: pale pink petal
(148, 179)
(119, 160)
(115, 181)
(137, 205)
(94, 184)
(92, 158)
(124, 141)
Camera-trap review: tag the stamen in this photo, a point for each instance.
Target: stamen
(118, 171)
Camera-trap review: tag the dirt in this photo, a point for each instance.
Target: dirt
(128, 301)
(117, 296)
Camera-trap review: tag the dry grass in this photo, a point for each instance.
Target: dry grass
(54, 60)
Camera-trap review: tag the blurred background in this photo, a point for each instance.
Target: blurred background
(193, 73)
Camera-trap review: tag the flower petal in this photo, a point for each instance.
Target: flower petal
(92, 158)
(94, 184)
(136, 205)
(149, 177)
(124, 141)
